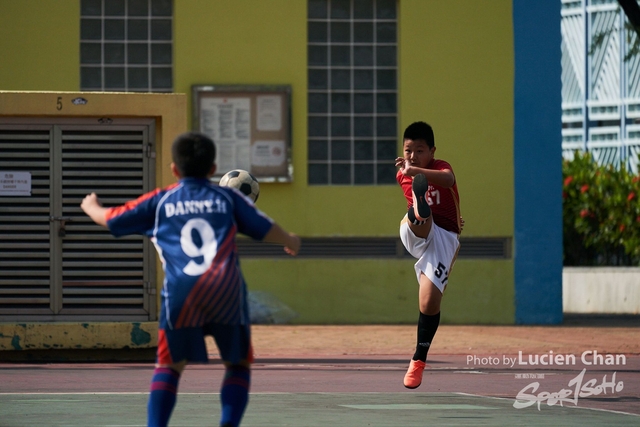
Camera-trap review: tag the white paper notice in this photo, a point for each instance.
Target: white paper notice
(225, 156)
(267, 153)
(228, 122)
(243, 157)
(269, 113)
(226, 118)
(15, 183)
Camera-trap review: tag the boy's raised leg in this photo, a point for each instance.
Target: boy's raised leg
(419, 187)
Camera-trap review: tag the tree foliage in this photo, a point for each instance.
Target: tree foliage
(601, 213)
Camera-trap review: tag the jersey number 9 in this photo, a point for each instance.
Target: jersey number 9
(207, 250)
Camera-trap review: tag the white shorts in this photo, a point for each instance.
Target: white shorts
(436, 254)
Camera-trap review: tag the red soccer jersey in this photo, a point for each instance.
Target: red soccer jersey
(444, 202)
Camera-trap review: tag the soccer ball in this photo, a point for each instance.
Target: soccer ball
(242, 180)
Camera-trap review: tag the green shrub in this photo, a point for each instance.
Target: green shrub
(601, 213)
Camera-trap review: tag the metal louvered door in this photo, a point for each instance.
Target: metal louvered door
(57, 265)
(25, 241)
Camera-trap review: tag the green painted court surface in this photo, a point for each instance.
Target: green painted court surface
(300, 410)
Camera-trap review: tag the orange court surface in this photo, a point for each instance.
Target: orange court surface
(287, 341)
(571, 375)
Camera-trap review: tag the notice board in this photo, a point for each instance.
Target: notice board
(250, 126)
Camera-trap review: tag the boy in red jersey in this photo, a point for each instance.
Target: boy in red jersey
(193, 224)
(429, 231)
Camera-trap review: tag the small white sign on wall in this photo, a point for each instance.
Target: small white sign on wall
(15, 183)
(268, 153)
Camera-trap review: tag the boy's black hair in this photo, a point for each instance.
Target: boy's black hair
(193, 154)
(420, 130)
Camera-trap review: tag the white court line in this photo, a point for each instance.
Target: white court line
(81, 393)
(288, 393)
(121, 393)
(571, 407)
(85, 393)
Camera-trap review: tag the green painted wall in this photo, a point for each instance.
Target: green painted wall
(381, 290)
(455, 71)
(39, 45)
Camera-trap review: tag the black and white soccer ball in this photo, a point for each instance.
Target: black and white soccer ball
(242, 180)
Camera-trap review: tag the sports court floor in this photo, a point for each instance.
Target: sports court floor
(331, 391)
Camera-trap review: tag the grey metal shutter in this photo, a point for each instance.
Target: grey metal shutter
(25, 266)
(72, 268)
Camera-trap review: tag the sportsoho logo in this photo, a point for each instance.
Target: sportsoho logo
(578, 387)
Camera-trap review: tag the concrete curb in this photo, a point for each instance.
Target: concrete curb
(78, 336)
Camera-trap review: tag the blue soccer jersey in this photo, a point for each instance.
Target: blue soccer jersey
(193, 225)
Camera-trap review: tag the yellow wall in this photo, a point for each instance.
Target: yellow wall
(246, 42)
(39, 45)
(455, 72)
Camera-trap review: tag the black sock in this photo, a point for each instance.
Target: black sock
(411, 215)
(427, 327)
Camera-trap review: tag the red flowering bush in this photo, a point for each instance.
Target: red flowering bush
(601, 213)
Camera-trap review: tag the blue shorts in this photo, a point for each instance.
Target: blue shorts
(188, 344)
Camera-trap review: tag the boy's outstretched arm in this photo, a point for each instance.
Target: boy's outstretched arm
(290, 241)
(93, 208)
(444, 178)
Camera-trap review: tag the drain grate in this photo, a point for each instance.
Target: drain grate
(372, 247)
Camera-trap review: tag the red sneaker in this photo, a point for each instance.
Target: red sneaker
(413, 377)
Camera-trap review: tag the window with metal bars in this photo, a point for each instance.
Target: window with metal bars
(126, 45)
(352, 92)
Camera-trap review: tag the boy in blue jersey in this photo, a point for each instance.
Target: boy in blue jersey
(193, 225)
